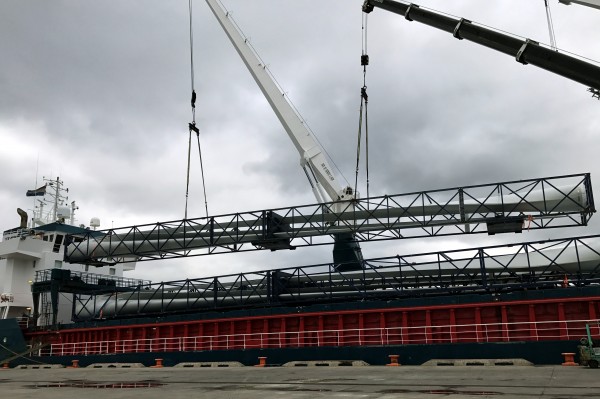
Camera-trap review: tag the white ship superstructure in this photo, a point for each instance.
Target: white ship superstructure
(37, 244)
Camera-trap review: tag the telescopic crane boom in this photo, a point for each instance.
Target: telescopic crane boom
(325, 184)
(524, 51)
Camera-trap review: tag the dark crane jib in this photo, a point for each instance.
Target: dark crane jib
(524, 51)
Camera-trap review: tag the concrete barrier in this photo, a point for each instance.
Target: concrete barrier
(39, 366)
(209, 364)
(326, 363)
(115, 365)
(478, 362)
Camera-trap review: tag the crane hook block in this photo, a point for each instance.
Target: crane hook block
(364, 60)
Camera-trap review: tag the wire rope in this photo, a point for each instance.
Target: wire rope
(192, 126)
(364, 101)
(550, 26)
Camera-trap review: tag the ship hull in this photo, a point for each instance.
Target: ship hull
(535, 325)
(502, 354)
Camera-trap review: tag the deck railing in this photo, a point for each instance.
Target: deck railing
(468, 333)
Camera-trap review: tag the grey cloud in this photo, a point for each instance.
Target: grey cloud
(109, 86)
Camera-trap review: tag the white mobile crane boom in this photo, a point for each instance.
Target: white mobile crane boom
(326, 186)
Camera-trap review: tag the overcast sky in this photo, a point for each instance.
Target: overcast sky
(98, 94)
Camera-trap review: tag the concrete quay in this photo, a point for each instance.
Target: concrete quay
(303, 382)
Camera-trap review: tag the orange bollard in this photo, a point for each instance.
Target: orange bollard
(569, 359)
(74, 364)
(158, 364)
(393, 360)
(262, 361)
(5, 366)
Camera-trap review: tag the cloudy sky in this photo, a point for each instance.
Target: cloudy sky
(98, 94)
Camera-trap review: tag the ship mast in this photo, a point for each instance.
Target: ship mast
(58, 197)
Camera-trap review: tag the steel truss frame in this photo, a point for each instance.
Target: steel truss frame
(50, 282)
(571, 262)
(543, 203)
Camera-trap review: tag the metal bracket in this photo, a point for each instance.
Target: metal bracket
(521, 51)
(407, 13)
(193, 128)
(367, 7)
(457, 28)
(505, 224)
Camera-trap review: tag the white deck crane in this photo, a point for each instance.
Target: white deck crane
(325, 184)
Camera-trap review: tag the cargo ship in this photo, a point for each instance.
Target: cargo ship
(529, 300)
